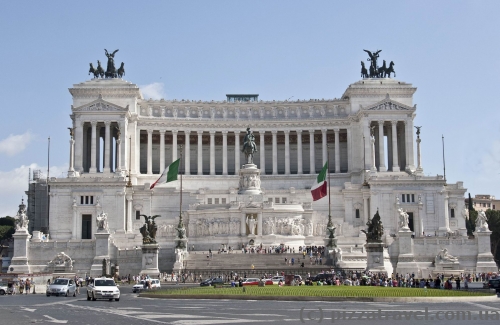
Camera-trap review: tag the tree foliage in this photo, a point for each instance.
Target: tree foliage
(493, 219)
(8, 221)
(7, 229)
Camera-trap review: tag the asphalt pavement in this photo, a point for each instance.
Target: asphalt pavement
(131, 309)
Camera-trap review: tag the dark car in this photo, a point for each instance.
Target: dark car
(494, 284)
(320, 277)
(211, 282)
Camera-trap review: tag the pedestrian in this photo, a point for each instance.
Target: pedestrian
(27, 286)
(457, 281)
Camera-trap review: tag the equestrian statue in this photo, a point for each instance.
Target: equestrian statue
(249, 147)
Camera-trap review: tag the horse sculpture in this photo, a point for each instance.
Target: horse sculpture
(381, 70)
(99, 69)
(249, 147)
(390, 70)
(364, 72)
(93, 71)
(121, 70)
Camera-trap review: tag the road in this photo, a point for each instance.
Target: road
(131, 309)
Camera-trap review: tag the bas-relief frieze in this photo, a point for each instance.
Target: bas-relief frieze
(209, 125)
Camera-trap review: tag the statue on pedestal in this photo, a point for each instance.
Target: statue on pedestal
(481, 222)
(21, 217)
(148, 230)
(444, 257)
(403, 219)
(102, 221)
(375, 229)
(249, 147)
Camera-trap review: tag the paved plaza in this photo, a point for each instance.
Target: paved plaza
(131, 309)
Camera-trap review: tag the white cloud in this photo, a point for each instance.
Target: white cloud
(153, 91)
(15, 182)
(15, 144)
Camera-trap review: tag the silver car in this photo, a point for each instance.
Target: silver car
(62, 287)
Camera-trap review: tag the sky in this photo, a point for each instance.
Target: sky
(202, 50)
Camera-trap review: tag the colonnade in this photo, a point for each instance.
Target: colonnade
(260, 135)
(399, 154)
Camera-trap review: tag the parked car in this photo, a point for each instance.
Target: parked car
(211, 282)
(154, 283)
(103, 288)
(61, 287)
(494, 284)
(255, 282)
(3, 290)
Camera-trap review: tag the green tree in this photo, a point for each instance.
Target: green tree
(470, 223)
(7, 229)
(493, 217)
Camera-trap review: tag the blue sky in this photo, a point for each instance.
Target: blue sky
(203, 50)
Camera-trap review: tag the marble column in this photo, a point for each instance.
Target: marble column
(349, 150)
(372, 156)
(129, 213)
(162, 151)
(365, 209)
(118, 157)
(312, 163)
(78, 151)
(107, 146)
(262, 152)
(381, 149)
(259, 224)
(337, 150)
(71, 170)
(324, 151)
(410, 159)
(150, 152)
(275, 152)
(395, 165)
(224, 152)
(243, 225)
(419, 157)
(174, 145)
(74, 234)
(237, 159)
(287, 152)
(200, 152)
(212, 152)
(299, 152)
(93, 148)
(187, 153)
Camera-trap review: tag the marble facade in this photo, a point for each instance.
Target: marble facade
(367, 135)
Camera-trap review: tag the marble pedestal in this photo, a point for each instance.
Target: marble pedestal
(375, 257)
(485, 262)
(19, 262)
(150, 259)
(406, 258)
(101, 253)
(249, 180)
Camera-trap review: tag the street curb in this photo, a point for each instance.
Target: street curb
(309, 298)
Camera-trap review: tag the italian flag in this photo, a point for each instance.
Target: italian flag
(319, 189)
(169, 174)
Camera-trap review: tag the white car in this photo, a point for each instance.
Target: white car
(155, 284)
(103, 288)
(3, 290)
(61, 287)
(277, 279)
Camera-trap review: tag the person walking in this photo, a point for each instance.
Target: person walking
(27, 286)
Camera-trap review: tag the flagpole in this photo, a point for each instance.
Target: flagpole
(180, 205)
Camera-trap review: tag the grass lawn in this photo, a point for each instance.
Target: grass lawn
(321, 291)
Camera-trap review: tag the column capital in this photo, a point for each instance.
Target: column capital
(200, 133)
(150, 131)
(262, 133)
(162, 132)
(312, 131)
(298, 131)
(323, 130)
(107, 123)
(336, 130)
(187, 131)
(224, 132)
(93, 123)
(175, 132)
(274, 132)
(287, 132)
(237, 132)
(212, 133)
(394, 122)
(381, 122)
